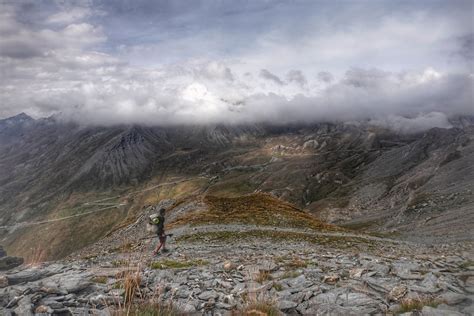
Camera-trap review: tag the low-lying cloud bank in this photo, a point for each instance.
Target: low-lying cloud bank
(213, 93)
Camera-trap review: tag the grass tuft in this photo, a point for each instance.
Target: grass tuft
(101, 279)
(132, 286)
(277, 286)
(263, 276)
(466, 264)
(417, 304)
(259, 307)
(296, 263)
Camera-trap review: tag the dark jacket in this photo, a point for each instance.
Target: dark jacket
(161, 225)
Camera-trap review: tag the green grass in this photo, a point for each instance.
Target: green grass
(120, 263)
(173, 264)
(466, 264)
(340, 242)
(277, 286)
(100, 279)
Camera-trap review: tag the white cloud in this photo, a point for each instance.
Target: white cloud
(70, 16)
(61, 66)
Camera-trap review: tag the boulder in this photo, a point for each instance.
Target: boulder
(398, 292)
(75, 283)
(208, 295)
(3, 281)
(452, 298)
(331, 279)
(298, 281)
(356, 273)
(7, 262)
(431, 311)
(286, 305)
(24, 307)
(228, 266)
(28, 275)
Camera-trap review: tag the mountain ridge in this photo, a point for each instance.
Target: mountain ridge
(354, 175)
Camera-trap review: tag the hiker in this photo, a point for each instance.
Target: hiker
(159, 222)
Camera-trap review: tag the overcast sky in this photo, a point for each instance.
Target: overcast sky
(165, 62)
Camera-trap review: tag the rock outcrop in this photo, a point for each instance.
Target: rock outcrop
(8, 262)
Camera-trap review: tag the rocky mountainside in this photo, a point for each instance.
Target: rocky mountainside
(249, 268)
(79, 183)
(322, 219)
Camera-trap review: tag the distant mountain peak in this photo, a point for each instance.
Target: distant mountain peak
(19, 118)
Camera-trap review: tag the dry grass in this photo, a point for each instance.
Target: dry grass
(263, 276)
(253, 209)
(125, 247)
(131, 285)
(259, 307)
(417, 304)
(296, 263)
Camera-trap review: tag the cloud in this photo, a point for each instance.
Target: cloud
(22, 41)
(265, 74)
(70, 16)
(466, 49)
(415, 124)
(296, 76)
(168, 63)
(325, 76)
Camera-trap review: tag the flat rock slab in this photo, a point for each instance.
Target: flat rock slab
(7, 262)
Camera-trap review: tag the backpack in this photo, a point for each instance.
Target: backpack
(154, 219)
(152, 225)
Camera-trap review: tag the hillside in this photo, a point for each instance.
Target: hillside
(336, 219)
(247, 269)
(413, 186)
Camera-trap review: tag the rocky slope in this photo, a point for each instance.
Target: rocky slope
(247, 269)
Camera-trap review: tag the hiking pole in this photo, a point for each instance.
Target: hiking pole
(151, 237)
